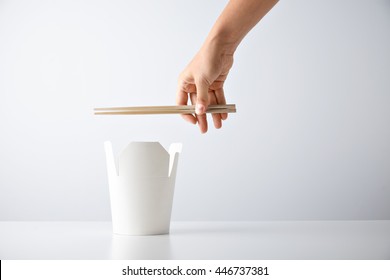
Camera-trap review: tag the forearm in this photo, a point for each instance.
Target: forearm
(236, 20)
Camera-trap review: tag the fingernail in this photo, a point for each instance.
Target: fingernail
(199, 109)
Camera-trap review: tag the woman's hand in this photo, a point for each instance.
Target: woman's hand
(202, 82)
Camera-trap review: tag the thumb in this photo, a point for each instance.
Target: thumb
(202, 97)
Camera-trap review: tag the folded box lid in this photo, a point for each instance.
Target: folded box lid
(144, 159)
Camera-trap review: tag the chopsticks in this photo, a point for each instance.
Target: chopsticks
(148, 110)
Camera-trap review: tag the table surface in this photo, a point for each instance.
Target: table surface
(199, 240)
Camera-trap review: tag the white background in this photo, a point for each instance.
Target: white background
(310, 140)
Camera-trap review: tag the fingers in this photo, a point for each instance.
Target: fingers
(202, 119)
(201, 94)
(220, 96)
(216, 117)
(202, 100)
(182, 99)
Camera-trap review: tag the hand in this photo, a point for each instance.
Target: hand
(202, 81)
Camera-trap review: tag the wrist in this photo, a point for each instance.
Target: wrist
(222, 42)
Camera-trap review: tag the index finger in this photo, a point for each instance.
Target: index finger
(182, 99)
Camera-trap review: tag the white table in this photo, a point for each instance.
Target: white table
(199, 240)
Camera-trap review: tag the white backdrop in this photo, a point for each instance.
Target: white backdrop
(311, 139)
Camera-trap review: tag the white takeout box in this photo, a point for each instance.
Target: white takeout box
(141, 187)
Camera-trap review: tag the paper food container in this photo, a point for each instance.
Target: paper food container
(141, 187)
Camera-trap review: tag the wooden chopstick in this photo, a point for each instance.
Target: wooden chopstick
(180, 109)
